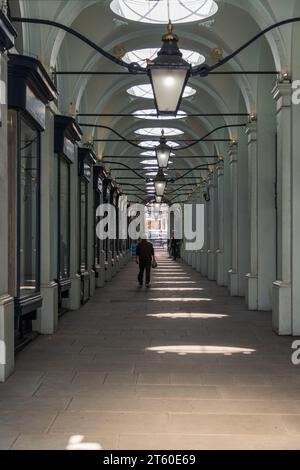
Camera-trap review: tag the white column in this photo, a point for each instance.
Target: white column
(227, 220)
(7, 352)
(233, 272)
(75, 291)
(252, 277)
(212, 229)
(282, 305)
(220, 250)
(47, 317)
(203, 258)
(296, 219)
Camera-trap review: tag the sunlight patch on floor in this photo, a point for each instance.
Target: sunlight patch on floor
(190, 349)
(180, 289)
(204, 316)
(76, 443)
(181, 299)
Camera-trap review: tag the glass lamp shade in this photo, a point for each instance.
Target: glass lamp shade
(163, 152)
(169, 74)
(160, 187)
(160, 183)
(168, 85)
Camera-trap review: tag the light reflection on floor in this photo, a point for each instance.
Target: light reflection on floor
(204, 316)
(181, 299)
(199, 349)
(176, 289)
(174, 282)
(76, 443)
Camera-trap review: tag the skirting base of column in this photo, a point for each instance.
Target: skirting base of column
(252, 291)
(282, 307)
(220, 268)
(108, 272)
(198, 262)
(92, 282)
(100, 279)
(211, 265)
(7, 336)
(194, 259)
(47, 317)
(189, 258)
(75, 293)
(233, 283)
(204, 263)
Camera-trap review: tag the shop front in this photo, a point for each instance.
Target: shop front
(87, 159)
(99, 245)
(66, 135)
(29, 91)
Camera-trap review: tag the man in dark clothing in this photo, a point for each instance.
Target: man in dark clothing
(174, 248)
(144, 257)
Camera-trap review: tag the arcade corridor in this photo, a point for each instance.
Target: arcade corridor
(176, 121)
(155, 369)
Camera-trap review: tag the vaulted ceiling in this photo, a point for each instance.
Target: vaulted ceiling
(235, 22)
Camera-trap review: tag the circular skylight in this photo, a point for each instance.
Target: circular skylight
(152, 114)
(155, 143)
(142, 55)
(156, 131)
(145, 91)
(160, 11)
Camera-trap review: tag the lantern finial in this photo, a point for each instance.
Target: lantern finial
(170, 36)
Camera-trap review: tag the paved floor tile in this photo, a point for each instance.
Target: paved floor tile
(180, 366)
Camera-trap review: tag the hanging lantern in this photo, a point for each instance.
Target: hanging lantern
(169, 74)
(160, 183)
(163, 152)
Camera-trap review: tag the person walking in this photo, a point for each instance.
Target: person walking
(144, 257)
(174, 248)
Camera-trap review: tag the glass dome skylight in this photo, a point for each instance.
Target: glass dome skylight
(156, 131)
(145, 91)
(141, 55)
(151, 114)
(160, 11)
(155, 143)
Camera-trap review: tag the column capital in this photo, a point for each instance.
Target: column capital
(220, 166)
(282, 94)
(251, 131)
(232, 152)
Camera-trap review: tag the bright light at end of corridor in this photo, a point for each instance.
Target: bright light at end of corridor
(189, 349)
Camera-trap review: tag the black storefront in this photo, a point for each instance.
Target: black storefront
(30, 89)
(99, 186)
(87, 159)
(66, 134)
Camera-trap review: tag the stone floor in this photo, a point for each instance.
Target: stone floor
(179, 366)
